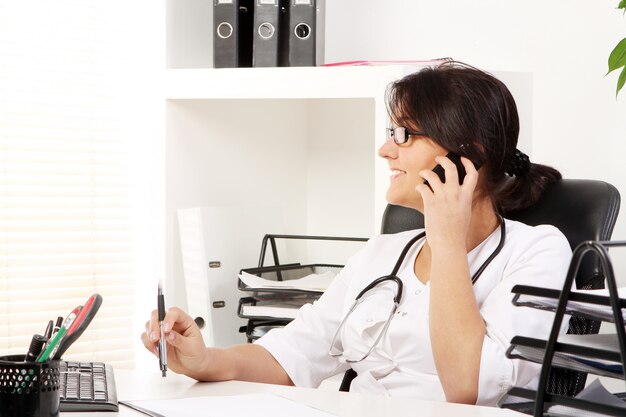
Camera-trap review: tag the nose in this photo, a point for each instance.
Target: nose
(388, 150)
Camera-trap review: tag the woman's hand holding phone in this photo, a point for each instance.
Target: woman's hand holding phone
(448, 201)
(439, 170)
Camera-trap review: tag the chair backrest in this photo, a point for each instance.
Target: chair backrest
(582, 210)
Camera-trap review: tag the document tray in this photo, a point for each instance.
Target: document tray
(273, 307)
(568, 356)
(284, 273)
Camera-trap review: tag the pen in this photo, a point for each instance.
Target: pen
(162, 345)
(53, 345)
(58, 325)
(35, 348)
(48, 333)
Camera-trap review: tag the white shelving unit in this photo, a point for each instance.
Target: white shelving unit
(300, 140)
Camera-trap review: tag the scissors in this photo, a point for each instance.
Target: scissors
(80, 324)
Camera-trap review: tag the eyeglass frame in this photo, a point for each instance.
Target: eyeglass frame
(400, 135)
(335, 352)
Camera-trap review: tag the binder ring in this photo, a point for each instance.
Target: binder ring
(224, 30)
(266, 30)
(302, 31)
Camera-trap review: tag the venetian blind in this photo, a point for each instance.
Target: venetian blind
(65, 203)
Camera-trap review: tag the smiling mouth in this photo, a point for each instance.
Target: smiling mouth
(396, 173)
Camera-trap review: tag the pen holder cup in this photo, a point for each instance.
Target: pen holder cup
(29, 389)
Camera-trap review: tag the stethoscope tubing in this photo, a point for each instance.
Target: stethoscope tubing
(398, 297)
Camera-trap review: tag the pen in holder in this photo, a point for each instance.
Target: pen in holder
(29, 389)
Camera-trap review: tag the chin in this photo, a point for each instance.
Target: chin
(397, 200)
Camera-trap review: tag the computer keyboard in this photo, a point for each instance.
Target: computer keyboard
(87, 386)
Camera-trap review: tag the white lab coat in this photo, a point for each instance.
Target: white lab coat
(403, 364)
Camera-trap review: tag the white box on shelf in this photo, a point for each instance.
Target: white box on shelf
(216, 242)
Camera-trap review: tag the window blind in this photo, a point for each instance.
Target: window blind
(65, 195)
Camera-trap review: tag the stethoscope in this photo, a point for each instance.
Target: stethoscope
(335, 352)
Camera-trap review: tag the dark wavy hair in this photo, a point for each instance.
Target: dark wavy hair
(470, 112)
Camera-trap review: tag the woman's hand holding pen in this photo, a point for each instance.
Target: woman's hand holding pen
(186, 351)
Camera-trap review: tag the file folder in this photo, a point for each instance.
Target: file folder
(246, 21)
(232, 38)
(226, 33)
(301, 33)
(265, 47)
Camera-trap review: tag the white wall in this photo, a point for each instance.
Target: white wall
(578, 125)
(298, 155)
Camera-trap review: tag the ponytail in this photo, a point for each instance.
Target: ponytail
(526, 183)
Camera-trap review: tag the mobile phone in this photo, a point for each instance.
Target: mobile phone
(456, 159)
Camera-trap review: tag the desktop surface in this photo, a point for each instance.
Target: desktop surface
(138, 385)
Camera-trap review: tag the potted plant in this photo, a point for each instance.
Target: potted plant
(617, 59)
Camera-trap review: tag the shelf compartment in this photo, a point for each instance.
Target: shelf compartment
(273, 306)
(287, 273)
(578, 303)
(255, 329)
(567, 355)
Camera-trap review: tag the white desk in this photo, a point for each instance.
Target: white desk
(135, 385)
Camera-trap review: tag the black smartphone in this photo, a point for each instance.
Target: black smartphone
(456, 159)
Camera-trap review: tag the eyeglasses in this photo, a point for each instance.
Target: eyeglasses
(334, 351)
(400, 135)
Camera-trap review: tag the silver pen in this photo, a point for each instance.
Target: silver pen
(162, 343)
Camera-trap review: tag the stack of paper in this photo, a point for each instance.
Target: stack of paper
(280, 308)
(595, 392)
(604, 341)
(313, 282)
(598, 311)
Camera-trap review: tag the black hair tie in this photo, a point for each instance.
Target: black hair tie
(519, 165)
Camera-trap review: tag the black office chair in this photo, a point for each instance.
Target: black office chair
(582, 210)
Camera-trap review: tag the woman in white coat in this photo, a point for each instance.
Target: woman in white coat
(446, 338)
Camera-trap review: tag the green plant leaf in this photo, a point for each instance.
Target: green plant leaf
(621, 80)
(622, 4)
(617, 59)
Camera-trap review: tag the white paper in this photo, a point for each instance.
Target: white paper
(594, 392)
(313, 282)
(603, 341)
(601, 312)
(283, 312)
(257, 405)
